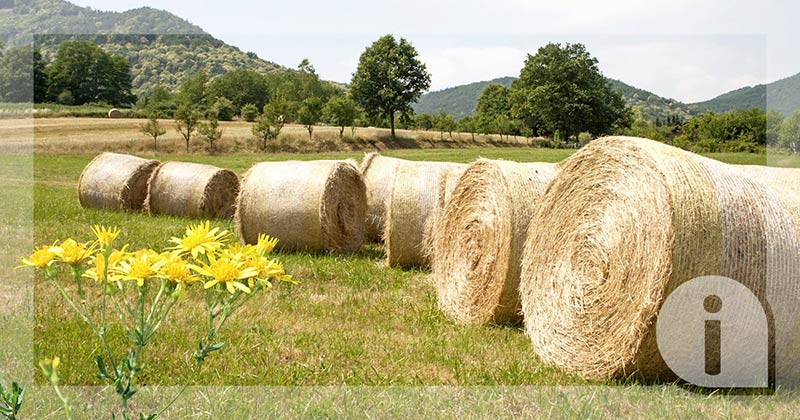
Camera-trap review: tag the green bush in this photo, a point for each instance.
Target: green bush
(249, 112)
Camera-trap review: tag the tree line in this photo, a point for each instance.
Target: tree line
(560, 94)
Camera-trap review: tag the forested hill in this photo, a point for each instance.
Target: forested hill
(782, 96)
(460, 101)
(181, 49)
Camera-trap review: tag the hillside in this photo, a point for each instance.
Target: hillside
(782, 95)
(181, 48)
(460, 101)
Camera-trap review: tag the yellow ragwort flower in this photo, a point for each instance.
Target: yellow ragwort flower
(265, 270)
(225, 271)
(140, 266)
(199, 239)
(72, 252)
(98, 265)
(176, 270)
(266, 244)
(40, 258)
(105, 235)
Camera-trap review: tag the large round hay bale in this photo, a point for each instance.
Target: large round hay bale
(114, 113)
(628, 220)
(193, 190)
(413, 199)
(783, 179)
(314, 205)
(115, 181)
(478, 241)
(378, 174)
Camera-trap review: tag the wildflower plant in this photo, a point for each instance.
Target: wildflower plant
(139, 289)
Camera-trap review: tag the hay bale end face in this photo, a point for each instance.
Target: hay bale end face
(478, 241)
(192, 190)
(414, 198)
(114, 113)
(314, 205)
(628, 220)
(379, 172)
(115, 181)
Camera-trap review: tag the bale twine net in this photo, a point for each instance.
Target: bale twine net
(478, 241)
(378, 174)
(115, 181)
(624, 223)
(414, 198)
(192, 190)
(314, 205)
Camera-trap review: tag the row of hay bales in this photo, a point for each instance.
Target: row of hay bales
(582, 252)
(124, 182)
(585, 252)
(315, 205)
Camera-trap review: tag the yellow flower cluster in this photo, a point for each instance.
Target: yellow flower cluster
(202, 254)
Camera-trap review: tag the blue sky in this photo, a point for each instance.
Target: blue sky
(685, 49)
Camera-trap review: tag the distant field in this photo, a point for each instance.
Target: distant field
(89, 135)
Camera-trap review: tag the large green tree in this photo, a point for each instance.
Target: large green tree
(561, 91)
(16, 77)
(493, 107)
(389, 78)
(86, 73)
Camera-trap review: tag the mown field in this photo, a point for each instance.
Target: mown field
(351, 321)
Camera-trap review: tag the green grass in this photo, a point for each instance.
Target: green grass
(351, 321)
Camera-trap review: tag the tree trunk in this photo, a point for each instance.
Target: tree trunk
(341, 132)
(310, 132)
(187, 144)
(391, 122)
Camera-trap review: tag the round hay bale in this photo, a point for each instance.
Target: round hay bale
(628, 220)
(192, 190)
(314, 205)
(782, 179)
(114, 113)
(478, 242)
(115, 181)
(413, 199)
(378, 174)
(444, 188)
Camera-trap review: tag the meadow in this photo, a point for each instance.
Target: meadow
(351, 320)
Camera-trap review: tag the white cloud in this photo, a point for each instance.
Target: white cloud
(456, 66)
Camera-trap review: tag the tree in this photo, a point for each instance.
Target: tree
(249, 112)
(160, 102)
(39, 77)
(153, 129)
(493, 108)
(267, 127)
(445, 123)
(561, 90)
(310, 113)
(425, 121)
(774, 122)
(790, 133)
(342, 111)
(467, 125)
(210, 131)
(187, 117)
(90, 75)
(192, 91)
(223, 109)
(389, 78)
(16, 78)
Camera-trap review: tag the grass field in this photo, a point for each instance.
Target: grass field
(351, 321)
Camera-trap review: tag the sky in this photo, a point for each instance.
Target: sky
(684, 49)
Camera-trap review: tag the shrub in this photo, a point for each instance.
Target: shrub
(249, 112)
